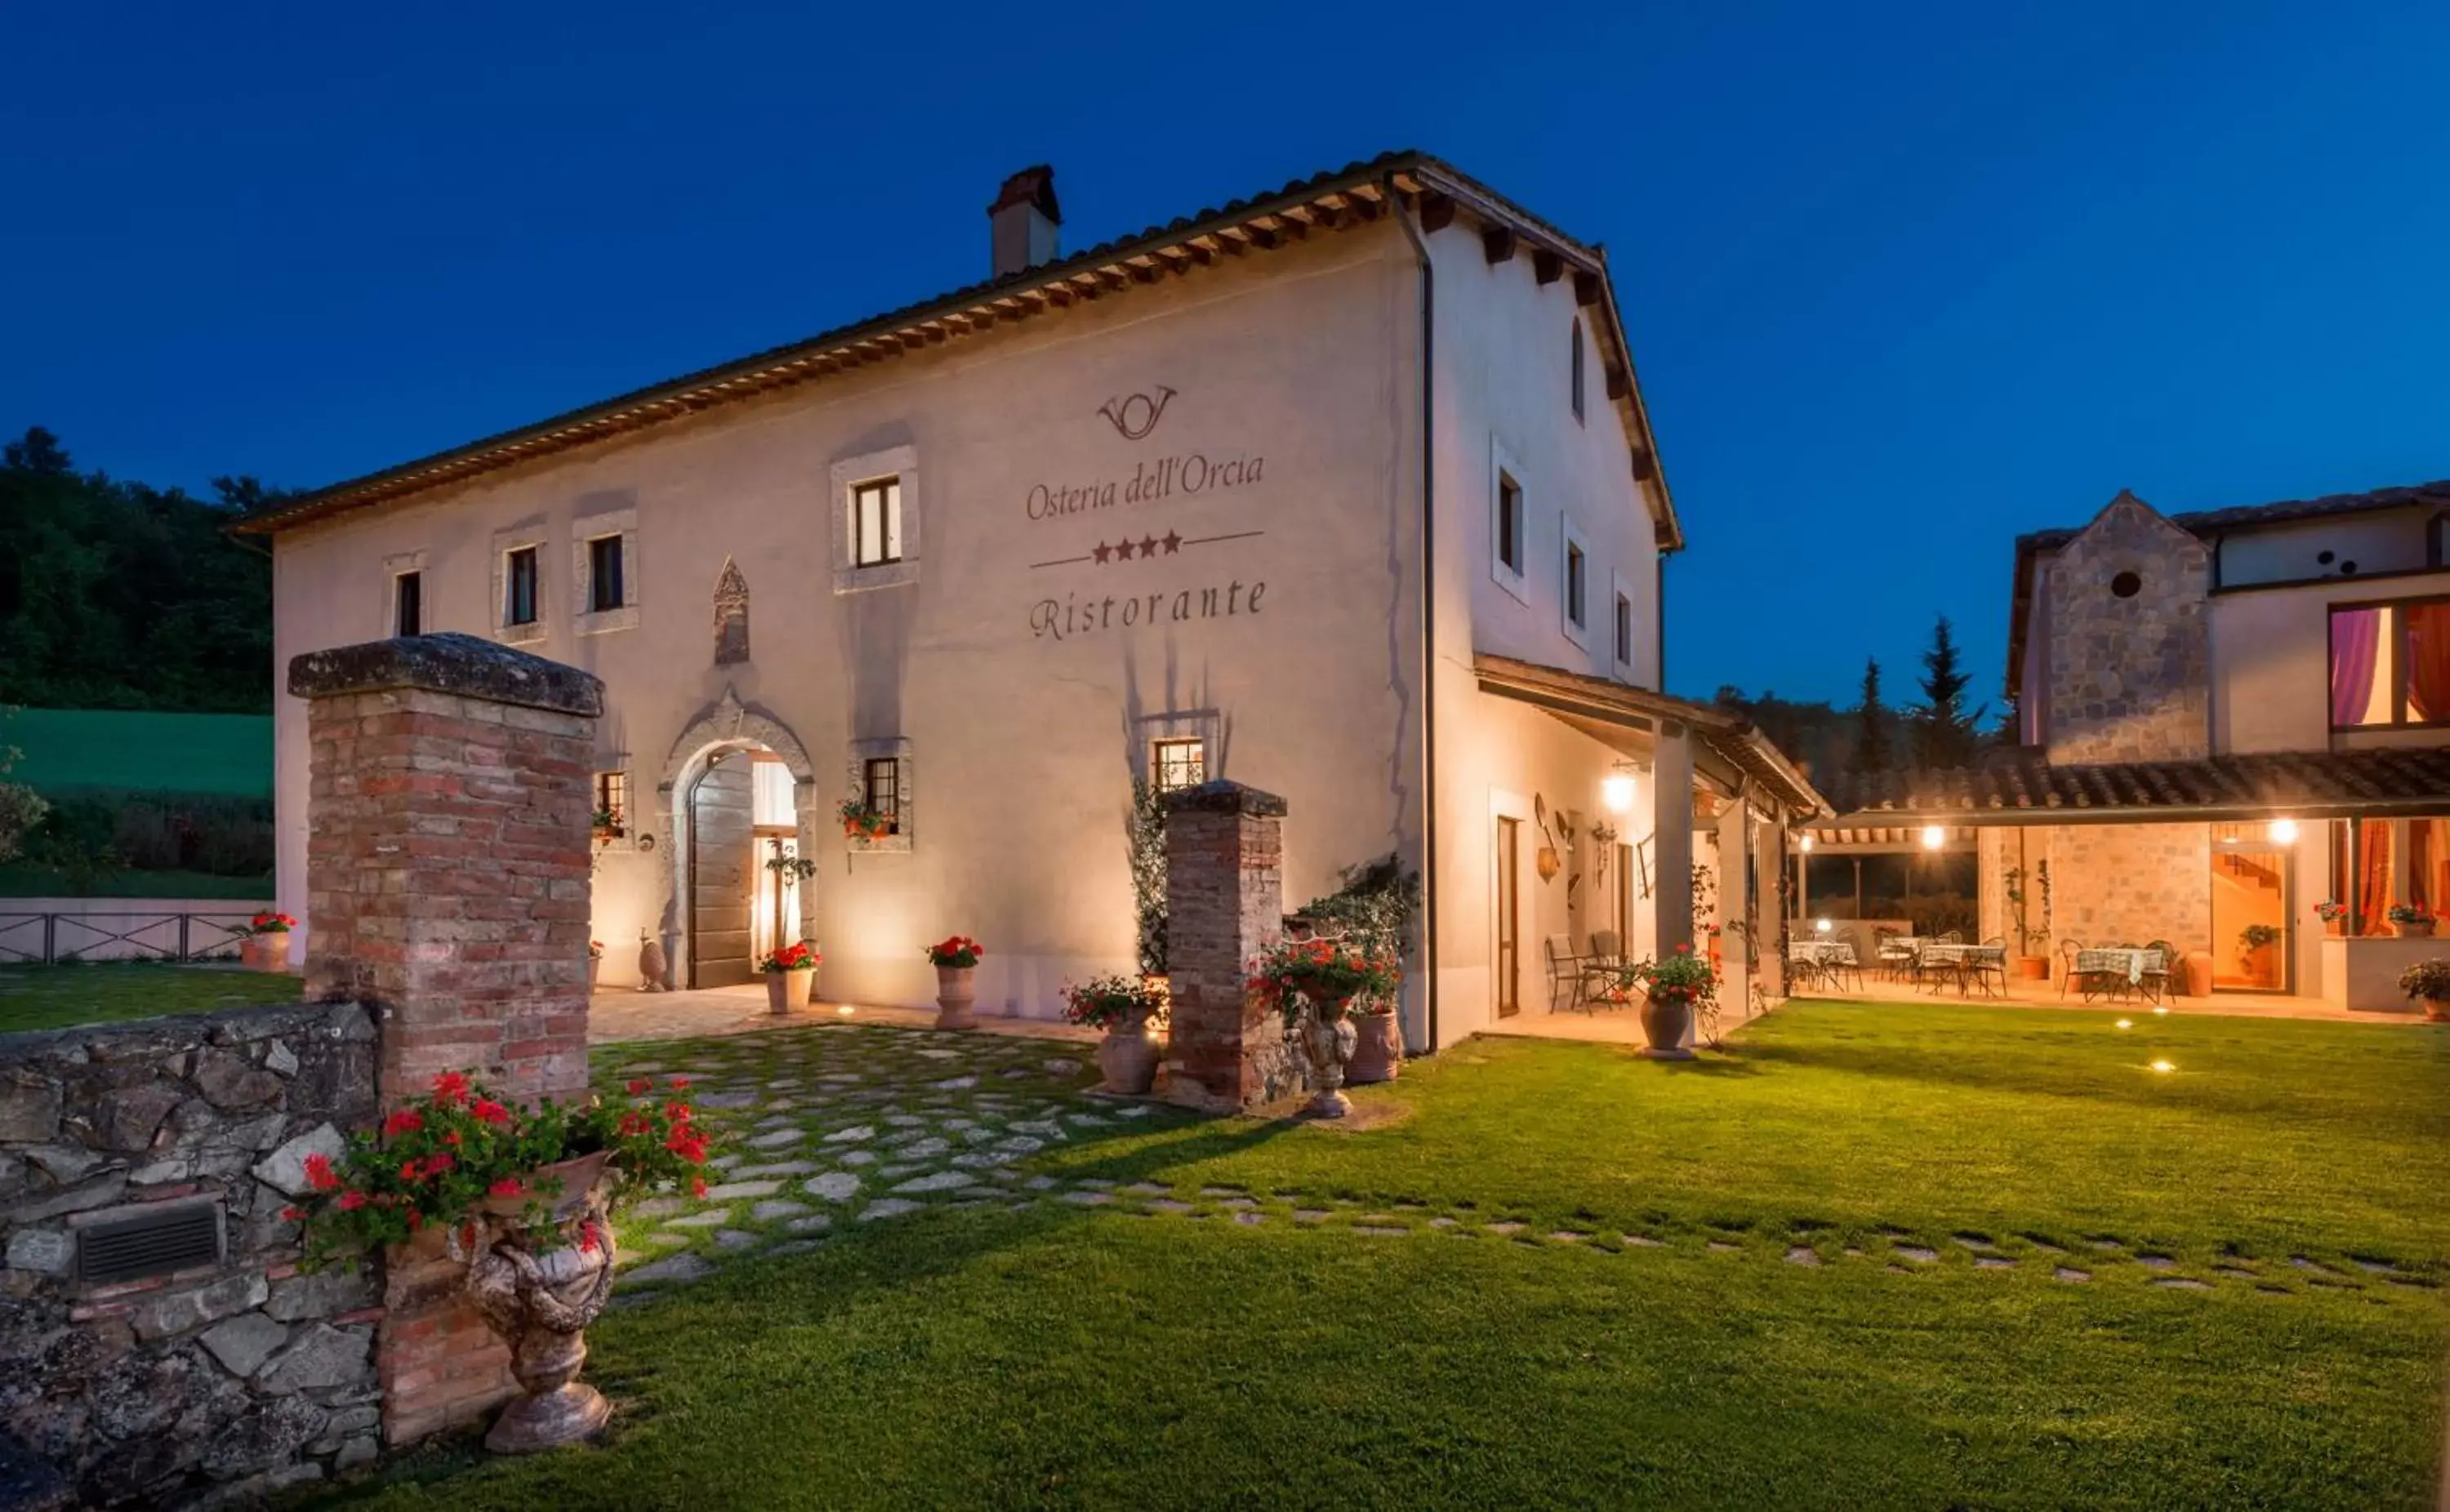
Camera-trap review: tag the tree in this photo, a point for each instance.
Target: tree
(1945, 734)
(1871, 752)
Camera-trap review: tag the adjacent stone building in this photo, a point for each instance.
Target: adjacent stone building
(2226, 719)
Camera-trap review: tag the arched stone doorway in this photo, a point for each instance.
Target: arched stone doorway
(727, 810)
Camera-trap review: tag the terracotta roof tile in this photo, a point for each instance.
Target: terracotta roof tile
(2024, 787)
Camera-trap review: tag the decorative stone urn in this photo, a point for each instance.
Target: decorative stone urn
(1128, 1055)
(595, 969)
(1666, 1023)
(786, 990)
(265, 950)
(1378, 1049)
(538, 1289)
(1332, 1042)
(650, 963)
(955, 998)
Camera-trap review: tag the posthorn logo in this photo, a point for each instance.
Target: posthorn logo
(1137, 415)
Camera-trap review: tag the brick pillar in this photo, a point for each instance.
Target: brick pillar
(447, 889)
(1225, 902)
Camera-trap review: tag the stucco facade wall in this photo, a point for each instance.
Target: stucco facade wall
(2271, 651)
(2130, 674)
(1006, 663)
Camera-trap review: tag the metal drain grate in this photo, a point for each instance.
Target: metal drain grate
(175, 1237)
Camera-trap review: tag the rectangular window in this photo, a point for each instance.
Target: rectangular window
(519, 587)
(605, 589)
(1509, 523)
(1576, 575)
(408, 604)
(2391, 664)
(1578, 370)
(1623, 630)
(876, 522)
(881, 784)
(1181, 763)
(611, 802)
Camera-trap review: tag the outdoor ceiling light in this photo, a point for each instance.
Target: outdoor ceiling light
(1933, 837)
(2284, 832)
(1805, 843)
(1821, 924)
(1616, 790)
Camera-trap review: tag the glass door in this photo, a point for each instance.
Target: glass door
(2251, 908)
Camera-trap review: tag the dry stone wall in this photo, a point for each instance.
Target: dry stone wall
(2129, 641)
(236, 1375)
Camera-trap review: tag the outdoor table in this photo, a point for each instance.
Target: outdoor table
(1963, 958)
(2128, 965)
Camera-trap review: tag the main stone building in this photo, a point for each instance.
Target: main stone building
(1345, 492)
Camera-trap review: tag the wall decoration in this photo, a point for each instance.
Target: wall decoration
(730, 616)
(1136, 416)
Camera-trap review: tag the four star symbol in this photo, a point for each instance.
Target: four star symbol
(1171, 542)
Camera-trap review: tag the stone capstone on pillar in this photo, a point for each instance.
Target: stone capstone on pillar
(449, 819)
(1224, 905)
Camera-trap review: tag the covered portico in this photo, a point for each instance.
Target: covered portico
(1688, 812)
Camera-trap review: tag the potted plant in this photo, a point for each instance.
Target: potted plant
(1670, 989)
(2254, 951)
(2033, 963)
(789, 970)
(862, 821)
(607, 824)
(2411, 920)
(955, 956)
(1326, 975)
(2429, 981)
(789, 870)
(1372, 910)
(264, 943)
(1123, 1007)
(523, 1198)
(594, 963)
(2334, 915)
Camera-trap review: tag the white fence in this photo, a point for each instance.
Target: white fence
(42, 931)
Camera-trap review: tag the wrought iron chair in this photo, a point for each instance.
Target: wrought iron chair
(1603, 970)
(1988, 969)
(1564, 974)
(2069, 951)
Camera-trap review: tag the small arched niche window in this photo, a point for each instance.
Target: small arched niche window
(1577, 361)
(2127, 585)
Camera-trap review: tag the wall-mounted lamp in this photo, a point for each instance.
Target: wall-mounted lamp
(2284, 832)
(1933, 837)
(1804, 845)
(1616, 790)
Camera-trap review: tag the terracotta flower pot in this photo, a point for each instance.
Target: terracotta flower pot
(2032, 968)
(1377, 1050)
(1666, 1022)
(1128, 1055)
(2336, 928)
(2437, 1010)
(955, 998)
(2415, 929)
(784, 989)
(650, 964)
(595, 969)
(265, 950)
(579, 1176)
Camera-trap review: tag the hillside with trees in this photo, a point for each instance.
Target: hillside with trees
(115, 595)
(1871, 736)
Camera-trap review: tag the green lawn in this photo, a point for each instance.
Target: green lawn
(24, 879)
(105, 992)
(68, 748)
(1161, 1311)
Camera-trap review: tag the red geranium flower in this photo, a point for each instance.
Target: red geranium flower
(438, 1163)
(490, 1110)
(408, 1171)
(451, 1087)
(677, 1111)
(697, 1186)
(680, 1084)
(352, 1201)
(638, 1085)
(292, 1214)
(407, 1120)
(507, 1187)
(319, 1173)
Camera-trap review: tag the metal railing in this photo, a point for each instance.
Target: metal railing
(49, 939)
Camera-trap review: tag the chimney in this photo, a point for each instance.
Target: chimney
(1022, 221)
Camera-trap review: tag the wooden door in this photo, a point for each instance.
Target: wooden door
(722, 866)
(1509, 923)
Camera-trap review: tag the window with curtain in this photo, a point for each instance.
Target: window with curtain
(2373, 875)
(2391, 664)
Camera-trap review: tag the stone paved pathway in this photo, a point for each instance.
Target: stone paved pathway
(830, 1127)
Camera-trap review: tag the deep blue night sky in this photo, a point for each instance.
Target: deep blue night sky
(1899, 287)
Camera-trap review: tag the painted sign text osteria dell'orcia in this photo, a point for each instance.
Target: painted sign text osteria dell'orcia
(1177, 477)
